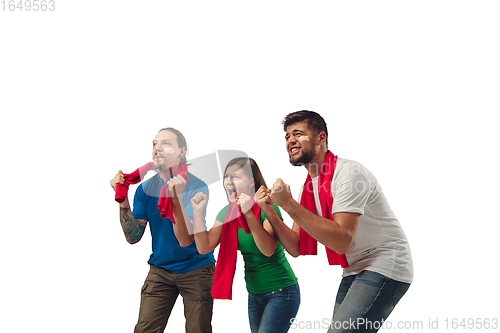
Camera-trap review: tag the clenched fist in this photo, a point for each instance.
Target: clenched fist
(280, 193)
(199, 201)
(245, 202)
(119, 178)
(262, 197)
(176, 185)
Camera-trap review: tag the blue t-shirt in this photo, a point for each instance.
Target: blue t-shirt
(167, 252)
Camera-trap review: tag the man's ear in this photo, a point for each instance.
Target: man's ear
(183, 152)
(321, 138)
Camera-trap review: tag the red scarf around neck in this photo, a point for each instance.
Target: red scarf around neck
(222, 286)
(309, 245)
(131, 178)
(164, 203)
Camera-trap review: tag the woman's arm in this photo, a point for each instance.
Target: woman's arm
(289, 238)
(263, 234)
(264, 238)
(205, 241)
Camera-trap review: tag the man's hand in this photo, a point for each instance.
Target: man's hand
(199, 201)
(262, 197)
(176, 185)
(280, 193)
(245, 202)
(119, 178)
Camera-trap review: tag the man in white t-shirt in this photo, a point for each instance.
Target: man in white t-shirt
(342, 206)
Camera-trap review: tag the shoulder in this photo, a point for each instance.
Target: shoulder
(193, 180)
(196, 184)
(149, 183)
(350, 169)
(222, 213)
(146, 184)
(352, 176)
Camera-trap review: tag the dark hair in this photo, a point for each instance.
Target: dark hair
(313, 119)
(251, 169)
(181, 141)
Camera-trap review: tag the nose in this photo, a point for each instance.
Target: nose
(157, 148)
(291, 140)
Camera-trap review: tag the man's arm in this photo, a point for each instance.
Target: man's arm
(132, 228)
(182, 230)
(289, 238)
(336, 235)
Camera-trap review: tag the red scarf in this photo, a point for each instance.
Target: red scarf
(164, 203)
(222, 286)
(309, 245)
(131, 178)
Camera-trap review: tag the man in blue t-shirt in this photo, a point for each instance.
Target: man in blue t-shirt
(174, 268)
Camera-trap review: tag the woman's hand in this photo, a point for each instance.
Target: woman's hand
(262, 197)
(245, 202)
(199, 201)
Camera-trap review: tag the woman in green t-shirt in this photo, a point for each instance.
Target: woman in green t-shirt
(273, 291)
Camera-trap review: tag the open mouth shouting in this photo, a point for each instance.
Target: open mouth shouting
(294, 150)
(231, 191)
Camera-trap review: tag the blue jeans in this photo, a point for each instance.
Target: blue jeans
(364, 301)
(272, 312)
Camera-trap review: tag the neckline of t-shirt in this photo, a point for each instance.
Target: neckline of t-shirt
(315, 179)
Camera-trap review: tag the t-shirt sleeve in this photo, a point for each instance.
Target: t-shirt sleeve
(350, 192)
(221, 216)
(139, 211)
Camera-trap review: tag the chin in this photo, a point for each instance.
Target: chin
(299, 160)
(159, 167)
(156, 166)
(295, 161)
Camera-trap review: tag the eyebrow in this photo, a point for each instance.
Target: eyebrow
(294, 132)
(155, 141)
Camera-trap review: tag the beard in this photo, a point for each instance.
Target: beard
(304, 157)
(160, 166)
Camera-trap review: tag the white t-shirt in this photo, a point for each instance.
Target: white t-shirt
(379, 244)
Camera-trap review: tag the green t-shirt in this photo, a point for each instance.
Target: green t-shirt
(262, 274)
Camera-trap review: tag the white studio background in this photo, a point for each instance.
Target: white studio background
(410, 89)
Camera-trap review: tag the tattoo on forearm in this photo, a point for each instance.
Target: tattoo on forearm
(132, 228)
